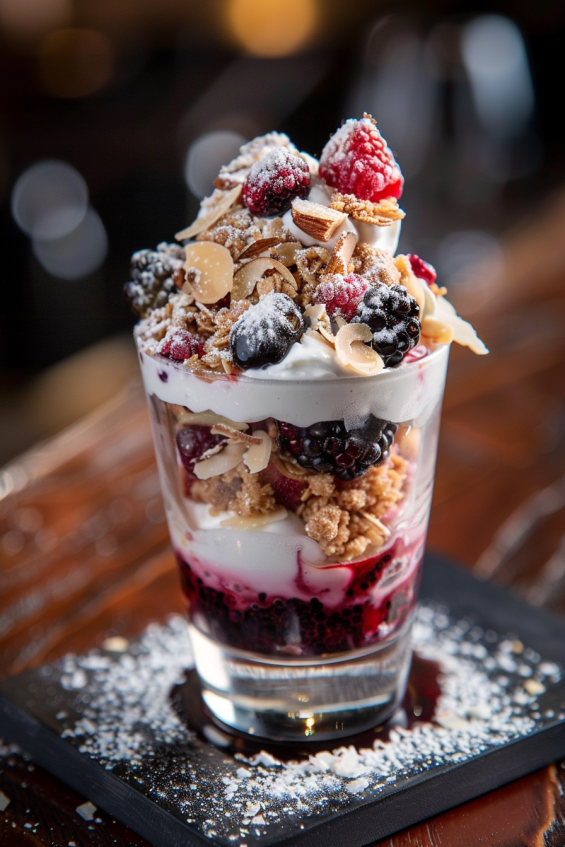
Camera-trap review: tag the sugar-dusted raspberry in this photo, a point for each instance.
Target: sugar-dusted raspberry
(274, 181)
(423, 270)
(341, 294)
(356, 160)
(180, 344)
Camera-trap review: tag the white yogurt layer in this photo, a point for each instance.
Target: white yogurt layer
(312, 392)
(383, 237)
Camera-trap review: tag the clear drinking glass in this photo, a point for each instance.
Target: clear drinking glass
(289, 642)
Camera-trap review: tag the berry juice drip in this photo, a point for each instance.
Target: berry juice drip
(293, 626)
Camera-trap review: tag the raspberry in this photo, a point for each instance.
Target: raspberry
(357, 161)
(340, 294)
(152, 277)
(287, 491)
(423, 270)
(328, 447)
(392, 315)
(192, 442)
(180, 344)
(274, 181)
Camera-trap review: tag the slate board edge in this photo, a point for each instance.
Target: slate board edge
(427, 795)
(106, 791)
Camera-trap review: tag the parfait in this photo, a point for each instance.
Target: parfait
(294, 366)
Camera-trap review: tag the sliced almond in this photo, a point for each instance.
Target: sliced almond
(288, 469)
(342, 253)
(213, 267)
(207, 218)
(436, 331)
(235, 435)
(257, 247)
(208, 419)
(229, 458)
(255, 521)
(258, 455)
(286, 252)
(315, 219)
(377, 523)
(354, 353)
(250, 274)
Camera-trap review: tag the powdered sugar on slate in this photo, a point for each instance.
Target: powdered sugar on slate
(128, 723)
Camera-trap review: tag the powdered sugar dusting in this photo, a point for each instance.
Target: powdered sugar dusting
(128, 722)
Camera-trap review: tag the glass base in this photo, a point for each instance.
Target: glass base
(294, 700)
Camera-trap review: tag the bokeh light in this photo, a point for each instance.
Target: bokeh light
(75, 62)
(496, 61)
(205, 157)
(29, 18)
(77, 254)
(49, 200)
(272, 27)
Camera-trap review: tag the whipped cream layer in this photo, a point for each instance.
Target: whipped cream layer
(383, 237)
(312, 392)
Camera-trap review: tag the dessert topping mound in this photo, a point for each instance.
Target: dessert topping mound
(356, 160)
(274, 182)
(341, 294)
(264, 333)
(393, 317)
(328, 447)
(423, 270)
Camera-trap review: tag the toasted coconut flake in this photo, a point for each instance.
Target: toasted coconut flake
(251, 273)
(288, 469)
(258, 456)
(229, 458)
(286, 252)
(354, 353)
(342, 253)
(255, 521)
(211, 267)
(257, 247)
(463, 332)
(377, 523)
(329, 336)
(236, 435)
(436, 331)
(206, 220)
(208, 419)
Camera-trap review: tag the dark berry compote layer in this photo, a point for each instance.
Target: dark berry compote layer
(377, 597)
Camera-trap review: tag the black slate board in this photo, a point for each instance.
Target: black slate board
(147, 793)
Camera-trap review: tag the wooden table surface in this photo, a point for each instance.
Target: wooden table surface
(84, 551)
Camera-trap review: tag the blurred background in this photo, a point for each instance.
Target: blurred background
(117, 115)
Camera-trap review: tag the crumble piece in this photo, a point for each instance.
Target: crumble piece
(382, 213)
(237, 491)
(310, 262)
(234, 230)
(375, 265)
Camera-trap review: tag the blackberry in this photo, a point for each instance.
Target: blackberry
(152, 277)
(328, 447)
(264, 334)
(393, 316)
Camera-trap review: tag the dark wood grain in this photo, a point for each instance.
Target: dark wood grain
(84, 551)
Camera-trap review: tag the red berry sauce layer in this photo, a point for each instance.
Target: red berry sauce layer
(380, 595)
